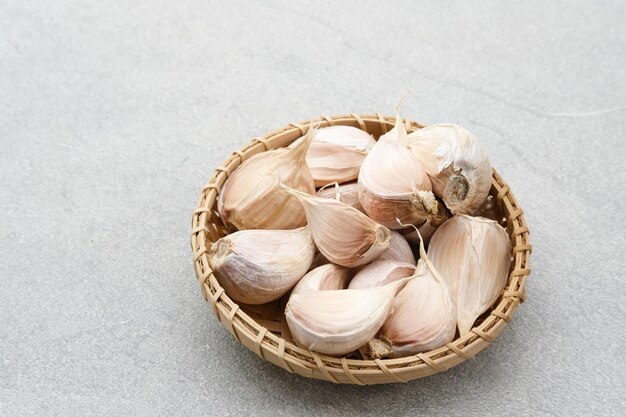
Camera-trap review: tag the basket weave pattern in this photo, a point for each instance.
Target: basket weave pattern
(263, 329)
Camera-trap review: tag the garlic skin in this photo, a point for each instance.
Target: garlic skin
(324, 278)
(398, 250)
(347, 193)
(344, 235)
(259, 266)
(426, 229)
(318, 260)
(423, 316)
(337, 322)
(336, 154)
(380, 273)
(251, 198)
(392, 184)
(457, 164)
(473, 255)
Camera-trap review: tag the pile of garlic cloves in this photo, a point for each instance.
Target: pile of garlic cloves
(378, 246)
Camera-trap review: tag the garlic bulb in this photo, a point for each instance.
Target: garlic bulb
(381, 273)
(423, 316)
(343, 234)
(251, 199)
(393, 185)
(336, 322)
(323, 278)
(258, 266)
(457, 164)
(473, 255)
(398, 250)
(336, 153)
(347, 193)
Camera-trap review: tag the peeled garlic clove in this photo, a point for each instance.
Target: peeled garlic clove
(336, 153)
(347, 193)
(423, 316)
(343, 234)
(457, 164)
(380, 273)
(398, 250)
(324, 278)
(336, 322)
(392, 185)
(251, 198)
(473, 255)
(259, 266)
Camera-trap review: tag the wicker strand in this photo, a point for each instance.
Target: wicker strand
(322, 368)
(459, 352)
(258, 342)
(348, 372)
(302, 129)
(359, 120)
(281, 355)
(485, 336)
(437, 367)
(263, 142)
(388, 371)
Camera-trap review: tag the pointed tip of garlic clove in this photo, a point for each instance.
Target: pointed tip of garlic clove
(343, 234)
(398, 249)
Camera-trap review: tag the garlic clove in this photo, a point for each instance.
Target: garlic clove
(473, 255)
(324, 278)
(347, 193)
(457, 164)
(251, 198)
(318, 260)
(380, 273)
(423, 316)
(336, 153)
(337, 322)
(398, 250)
(259, 266)
(393, 185)
(343, 234)
(426, 229)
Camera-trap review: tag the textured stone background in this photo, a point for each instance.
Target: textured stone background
(113, 114)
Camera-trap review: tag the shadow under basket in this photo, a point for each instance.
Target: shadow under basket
(263, 328)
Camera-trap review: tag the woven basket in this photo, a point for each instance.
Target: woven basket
(263, 328)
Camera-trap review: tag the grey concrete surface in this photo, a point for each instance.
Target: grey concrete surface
(113, 114)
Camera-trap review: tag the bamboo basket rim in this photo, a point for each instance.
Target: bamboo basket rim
(264, 337)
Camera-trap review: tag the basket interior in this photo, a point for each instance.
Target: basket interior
(263, 328)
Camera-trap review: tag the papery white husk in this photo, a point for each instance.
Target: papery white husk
(344, 235)
(336, 154)
(380, 273)
(423, 316)
(259, 266)
(392, 185)
(337, 322)
(398, 250)
(323, 278)
(473, 255)
(457, 164)
(251, 199)
(347, 193)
